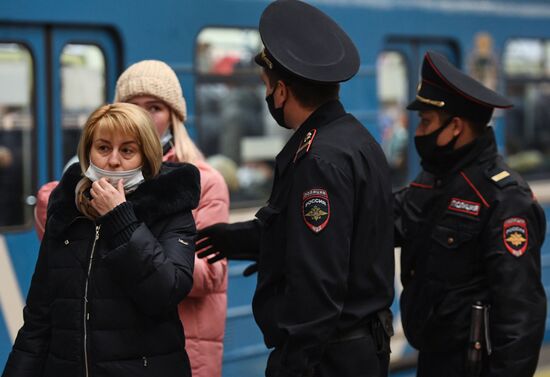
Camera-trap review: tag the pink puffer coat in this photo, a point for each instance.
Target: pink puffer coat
(204, 310)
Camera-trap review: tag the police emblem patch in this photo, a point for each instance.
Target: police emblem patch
(315, 209)
(464, 206)
(515, 236)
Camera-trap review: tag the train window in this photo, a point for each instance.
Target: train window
(235, 131)
(524, 57)
(16, 126)
(82, 90)
(392, 84)
(526, 64)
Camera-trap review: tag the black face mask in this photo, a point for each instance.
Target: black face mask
(277, 114)
(436, 158)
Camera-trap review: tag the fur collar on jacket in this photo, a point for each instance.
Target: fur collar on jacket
(175, 189)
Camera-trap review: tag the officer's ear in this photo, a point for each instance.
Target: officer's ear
(458, 124)
(282, 93)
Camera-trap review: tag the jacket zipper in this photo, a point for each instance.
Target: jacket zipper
(86, 315)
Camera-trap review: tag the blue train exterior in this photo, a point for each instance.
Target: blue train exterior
(60, 58)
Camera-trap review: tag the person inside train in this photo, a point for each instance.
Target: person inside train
(116, 258)
(154, 86)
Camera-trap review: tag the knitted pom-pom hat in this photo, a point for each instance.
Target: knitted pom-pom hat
(152, 78)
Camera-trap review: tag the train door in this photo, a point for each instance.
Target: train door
(22, 116)
(43, 73)
(84, 69)
(398, 72)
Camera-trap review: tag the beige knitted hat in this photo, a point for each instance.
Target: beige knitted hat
(153, 78)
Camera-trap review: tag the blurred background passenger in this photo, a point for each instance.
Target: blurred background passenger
(116, 259)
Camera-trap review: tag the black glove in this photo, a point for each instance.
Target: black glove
(240, 241)
(250, 269)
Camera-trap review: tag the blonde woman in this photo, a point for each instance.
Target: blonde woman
(153, 85)
(116, 259)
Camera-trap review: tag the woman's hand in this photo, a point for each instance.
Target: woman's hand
(105, 196)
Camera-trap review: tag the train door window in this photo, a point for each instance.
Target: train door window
(392, 87)
(235, 131)
(526, 65)
(16, 133)
(82, 90)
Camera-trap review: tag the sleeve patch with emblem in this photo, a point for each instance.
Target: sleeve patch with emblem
(515, 236)
(315, 209)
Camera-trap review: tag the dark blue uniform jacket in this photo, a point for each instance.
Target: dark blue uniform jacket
(472, 235)
(326, 263)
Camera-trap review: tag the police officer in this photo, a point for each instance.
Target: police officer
(325, 238)
(471, 233)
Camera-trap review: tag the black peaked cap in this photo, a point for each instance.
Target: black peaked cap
(305, 42)
(444, 87)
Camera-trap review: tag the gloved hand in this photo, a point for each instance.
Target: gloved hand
(238, 241)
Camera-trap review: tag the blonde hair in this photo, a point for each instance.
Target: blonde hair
(123, 118)
(186, 150)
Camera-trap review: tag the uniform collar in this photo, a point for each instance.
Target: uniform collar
(324, 114)
(483, 148)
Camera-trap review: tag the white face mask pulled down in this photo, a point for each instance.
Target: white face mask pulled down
(131, 178)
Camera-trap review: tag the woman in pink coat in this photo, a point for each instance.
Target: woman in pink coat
(154, 86)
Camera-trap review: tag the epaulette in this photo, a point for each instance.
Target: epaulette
(305, 145)
(500, 177)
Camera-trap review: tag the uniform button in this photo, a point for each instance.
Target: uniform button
(412, 273)
(66, 242)
(477, 345)
(450, 240)
(438, 183)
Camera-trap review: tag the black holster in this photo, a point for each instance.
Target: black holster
(382, 331)
(478, 340)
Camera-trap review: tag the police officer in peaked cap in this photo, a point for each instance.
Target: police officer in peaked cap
(324, 241)
(471, 232)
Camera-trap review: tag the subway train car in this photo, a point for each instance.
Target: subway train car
(59, 60)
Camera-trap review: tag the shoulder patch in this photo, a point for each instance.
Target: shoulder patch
(305, 145)
(515, 236)
(315, 209)
(500, 177)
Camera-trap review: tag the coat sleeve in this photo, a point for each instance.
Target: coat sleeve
(41, 208)
(518, 303)
(316, 262)
(213, 208)
(30, 350)
(156, 271)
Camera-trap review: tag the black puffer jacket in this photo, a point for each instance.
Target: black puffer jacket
(115, 313)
